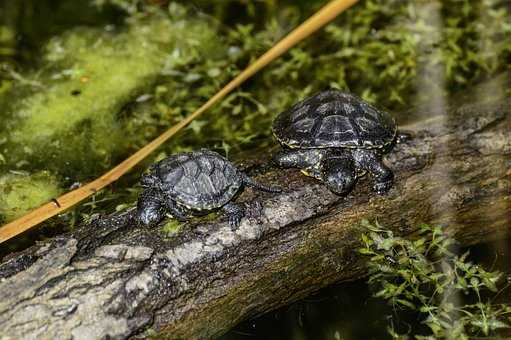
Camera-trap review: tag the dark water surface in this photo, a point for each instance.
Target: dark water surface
(344, 311)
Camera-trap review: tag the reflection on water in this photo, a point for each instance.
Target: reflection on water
(495, 89)
(431, 82)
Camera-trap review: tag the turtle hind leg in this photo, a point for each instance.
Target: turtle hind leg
(370, 160)
(299, 158)
(234, 213)
(259, 186)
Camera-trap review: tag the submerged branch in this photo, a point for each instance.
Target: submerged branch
(113, 278)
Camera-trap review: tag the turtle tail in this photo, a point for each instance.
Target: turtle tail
(259, 186)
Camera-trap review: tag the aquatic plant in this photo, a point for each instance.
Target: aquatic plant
(376, 52)
(428, 277)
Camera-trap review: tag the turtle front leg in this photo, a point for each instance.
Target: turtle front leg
(150, 207)
(299, 158)
(234, 213)
(370, 160)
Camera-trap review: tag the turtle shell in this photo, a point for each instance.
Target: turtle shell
(200, 180)
(334, 119)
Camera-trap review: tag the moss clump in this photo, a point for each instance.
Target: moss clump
(171, 227)
(21, 192)
(72, 118)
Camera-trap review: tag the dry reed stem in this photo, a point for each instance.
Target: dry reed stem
(36, 216)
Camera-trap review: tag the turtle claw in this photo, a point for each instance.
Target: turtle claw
(234, 221)
(234, 214)
(382, 188)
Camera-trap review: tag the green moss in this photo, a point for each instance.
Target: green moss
(171, 227)
(93, 74)
(21, 192)
(72, 119)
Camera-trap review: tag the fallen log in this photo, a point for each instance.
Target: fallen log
(112, 278)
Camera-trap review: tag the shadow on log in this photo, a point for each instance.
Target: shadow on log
(114, 279)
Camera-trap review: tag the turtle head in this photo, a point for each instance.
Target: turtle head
(339, 176)
(150, 208)
(148, 181)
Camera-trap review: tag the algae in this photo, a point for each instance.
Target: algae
(171, 227)
(70, 125)
(20, 192)
(93, 74)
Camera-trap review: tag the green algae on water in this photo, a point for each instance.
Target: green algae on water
(65, 119)
(20, 192)
(72, 119)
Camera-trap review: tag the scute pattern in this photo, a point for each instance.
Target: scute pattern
(334, 119)
(200, 180)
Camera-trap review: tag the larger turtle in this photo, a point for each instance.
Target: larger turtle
(336, 137)
(193, 183)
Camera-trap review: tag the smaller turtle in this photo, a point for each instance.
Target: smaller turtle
(193, 184)
(336, 137)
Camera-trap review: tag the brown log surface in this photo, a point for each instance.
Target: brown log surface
(114, 279)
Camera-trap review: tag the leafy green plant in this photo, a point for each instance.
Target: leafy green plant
(426, 276)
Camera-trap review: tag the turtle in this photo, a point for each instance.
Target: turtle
(336, 137)
(193, 184)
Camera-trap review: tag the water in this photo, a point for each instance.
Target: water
(344, 311)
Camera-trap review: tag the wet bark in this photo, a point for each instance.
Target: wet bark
(112, 278)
